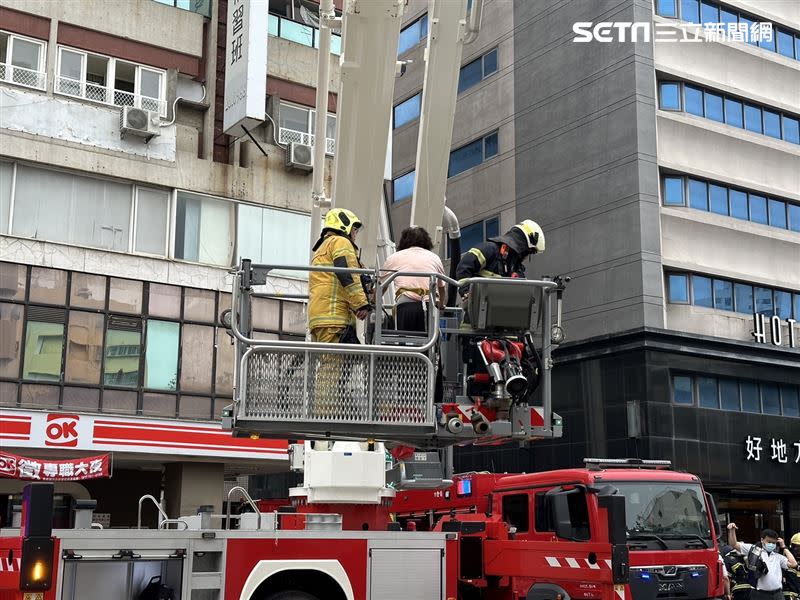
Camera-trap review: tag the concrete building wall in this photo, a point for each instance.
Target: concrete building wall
(585, 163)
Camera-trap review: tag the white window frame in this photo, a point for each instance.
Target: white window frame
(310, 116)
(135, 220)
(9, 67)
(111, 71)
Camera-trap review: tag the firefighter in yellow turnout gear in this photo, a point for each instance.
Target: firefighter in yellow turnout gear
(336, 300)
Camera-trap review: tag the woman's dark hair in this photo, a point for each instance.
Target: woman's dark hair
(415, 236)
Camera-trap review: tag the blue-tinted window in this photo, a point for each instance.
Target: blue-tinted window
(412, 34)
(673, 191)
(797, 306)
(682, 385)
(749, 36)
(783, 304)
(743, 298)
(791, 130)
(770, 399)
(408, 110)
(272, 24)
(492, 227)
(767, 41)
(701, 291)
(713, 103)
(734, 113)
(772, 124)
(490, 146)
(709, 13)
(297, 32)
(472, 235)
(752, 118)
(777, 213)
(794, 218)
(690, 11)
(489, 63)
(764, 304)
(694, 100)
(718, 199)
(797, 46)
(666, 8)
(403, 186)
(738, 201)
(698, 194)
(729, 394)
(470, 74)
(723, 294)
(750, 400)
(758, 209)
(790, 395)
(678, 288)
(707, 392)
(670, 96)
(785, 43)
(727, 16)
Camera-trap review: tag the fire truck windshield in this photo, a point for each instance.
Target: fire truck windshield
(665, 510)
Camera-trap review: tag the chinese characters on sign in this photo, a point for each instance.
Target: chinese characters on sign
(19, 467)
(643, 31)
(778, 450)
(775, 330)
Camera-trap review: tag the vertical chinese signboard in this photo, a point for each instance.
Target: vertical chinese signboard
(245, 66)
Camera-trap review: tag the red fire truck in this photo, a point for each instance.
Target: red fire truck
(671, 527)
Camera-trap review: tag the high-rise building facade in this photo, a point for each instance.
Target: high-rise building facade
(666, 176)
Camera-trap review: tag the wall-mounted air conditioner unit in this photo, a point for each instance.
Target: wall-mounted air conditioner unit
(299, 156)
(139, 122)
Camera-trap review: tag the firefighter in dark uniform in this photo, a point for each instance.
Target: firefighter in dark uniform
(737, 572)
(791, 576)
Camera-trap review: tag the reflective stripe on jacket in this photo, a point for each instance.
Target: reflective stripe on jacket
(335, 297)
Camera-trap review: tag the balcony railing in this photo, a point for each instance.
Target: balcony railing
(22, 76)
(300, 33)
(287, 136)
(100, 93)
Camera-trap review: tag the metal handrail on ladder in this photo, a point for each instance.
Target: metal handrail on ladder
(249, 500)
(161, 512)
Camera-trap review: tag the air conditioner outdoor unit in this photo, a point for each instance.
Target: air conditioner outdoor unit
(299, 156)
(138, 122)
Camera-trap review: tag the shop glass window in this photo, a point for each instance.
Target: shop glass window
(164, 301)
(738, 204)
(791, 130)
(161, 356)
(764, 304)
(204, 229)
(743, 297)
(670, 95)
(723, 294)
(690, 11)
(698, 194)
(413, 34)
(125, 296)
(785, 43)
(790, 398)
(73, 209)
(196, 407)
(713, 106)
(477, 70)
(770, 399)
(772, 124)
(48, 286)
(673, 191)
(39, 396)
(152, 220)
(159, 405)
(197, 352)
(122, 351)
(88, 291)
(44, 344)
(718, 199)
(10, 339)
(678, 288)
(701, 291)
(758, 209)
(403, 187)
(693, 98)
(667, 8)
(752, 118)
(709, 12)
(777, 213)
(515, 511)
(408, 110)
(682, 389)
(729, 394)
(734, 113)
(472, 154)
(12, 281)
(707, 392)
(750, 398)
(119, 401)
(794, 216)
(84, 347)
(267, 235)
(82, 399)
(783, 304)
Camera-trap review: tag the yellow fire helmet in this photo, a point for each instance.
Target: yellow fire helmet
(534, 235)
(795, 541)
(341, 220)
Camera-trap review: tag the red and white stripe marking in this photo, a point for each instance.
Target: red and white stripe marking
(10, 566)
(576, 563)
